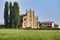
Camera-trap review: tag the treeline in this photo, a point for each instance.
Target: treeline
(11, 15)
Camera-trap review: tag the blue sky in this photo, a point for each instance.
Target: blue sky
(47, 10)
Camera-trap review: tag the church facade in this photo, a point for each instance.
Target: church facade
(29, 20)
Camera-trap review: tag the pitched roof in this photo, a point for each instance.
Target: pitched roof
(22, 14)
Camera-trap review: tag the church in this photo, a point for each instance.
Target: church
(29, 20)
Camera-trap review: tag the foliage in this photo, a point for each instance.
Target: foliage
(11, 19)
(11, 13)
(41, 28)
(16, 15)
(6, 15)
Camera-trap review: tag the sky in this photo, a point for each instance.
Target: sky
(46, 10)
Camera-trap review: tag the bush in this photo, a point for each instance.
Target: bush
(48, 28)
(41, 28)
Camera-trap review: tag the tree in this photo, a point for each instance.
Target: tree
(11, 12)
(16, 17)
(6, 14)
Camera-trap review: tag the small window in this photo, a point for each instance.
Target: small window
(30, 15)
(25, 19)
(50, 24)
(44, 24)
(30, 12)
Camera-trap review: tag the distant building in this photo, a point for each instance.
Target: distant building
(29, 20)
(2, 25)
(59, 26)
(49, 24)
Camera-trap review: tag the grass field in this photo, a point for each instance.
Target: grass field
(17, 34)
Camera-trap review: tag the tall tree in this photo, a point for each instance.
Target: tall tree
(6, 14)
(16, 16)
(11, 12)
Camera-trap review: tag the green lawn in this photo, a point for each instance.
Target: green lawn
(17, 34)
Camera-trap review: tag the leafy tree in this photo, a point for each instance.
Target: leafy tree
(6, 14)
(11, 12)
(16, 17)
